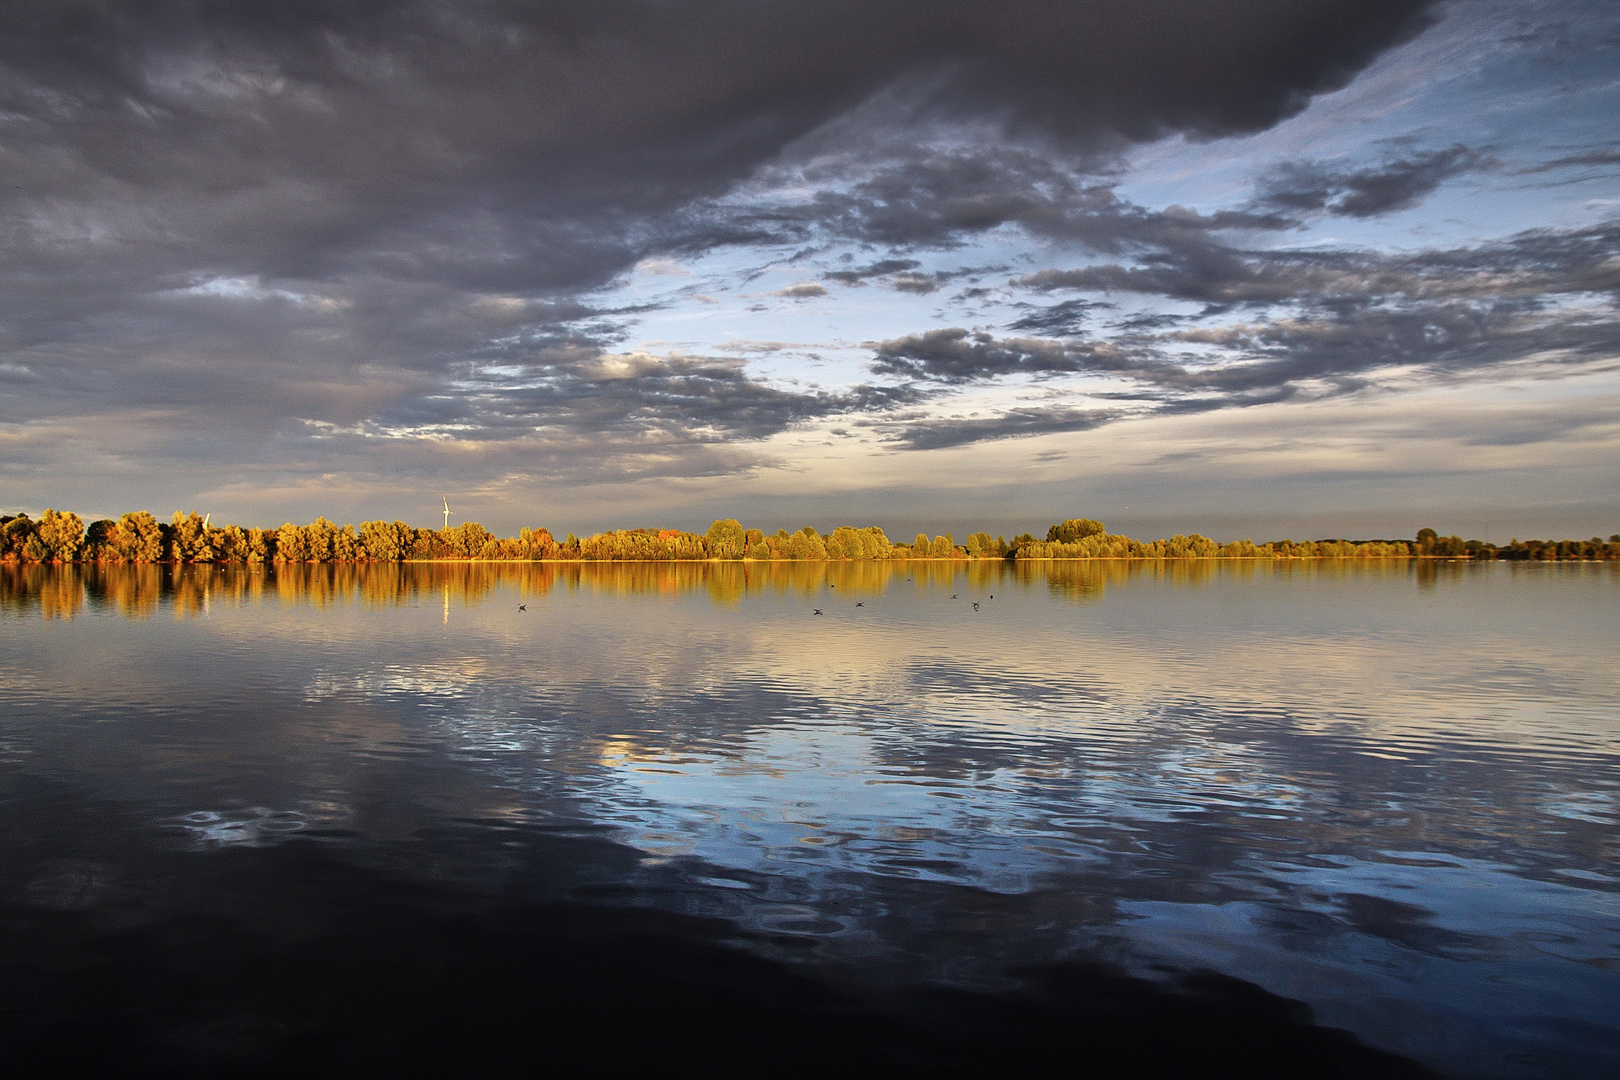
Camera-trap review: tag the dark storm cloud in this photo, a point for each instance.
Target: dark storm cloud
(247, 218)
(322, 137)
(924, 196)
(1395, 184)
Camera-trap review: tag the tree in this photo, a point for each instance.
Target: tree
(230, 543)
(320, 535)
(292, 543)
(1067, 532)
(15, 536)
(138, 538)
(726, 539)
(805, 544)
(188, 540)
(98, 539)
(470, 538)
(60, 535)
(261, 545)
(381, 541)
(345, 545)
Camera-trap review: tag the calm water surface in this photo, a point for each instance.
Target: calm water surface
(1388, 791)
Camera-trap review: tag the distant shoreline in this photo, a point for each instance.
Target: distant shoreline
(717, 561)
(139, 538)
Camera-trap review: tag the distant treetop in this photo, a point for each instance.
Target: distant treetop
(1067, 532)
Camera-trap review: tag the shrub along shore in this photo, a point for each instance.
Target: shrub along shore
(140, 538)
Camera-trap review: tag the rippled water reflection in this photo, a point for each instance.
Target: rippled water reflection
(1386, 789)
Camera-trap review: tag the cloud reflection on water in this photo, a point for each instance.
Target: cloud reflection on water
(1386, 789)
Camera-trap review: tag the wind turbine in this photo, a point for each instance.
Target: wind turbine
(447, 512)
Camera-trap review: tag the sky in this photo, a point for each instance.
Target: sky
(1303, 268)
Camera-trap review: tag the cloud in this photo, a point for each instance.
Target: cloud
(634, 406)
(1527, 267)
(1065, 319)
(295, 231)
(1594, 158)
(805, 290)
(936, 434)
(1396, 184)
(858, 276)
(920, 284)
(1321, 323)
(956, 355)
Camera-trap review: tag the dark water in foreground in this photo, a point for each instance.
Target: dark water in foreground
(1169, 818)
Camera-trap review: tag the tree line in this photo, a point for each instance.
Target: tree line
(139, 537)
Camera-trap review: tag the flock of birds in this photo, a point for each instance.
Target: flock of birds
(862, 603)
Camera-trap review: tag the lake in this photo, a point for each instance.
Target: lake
(509, 816)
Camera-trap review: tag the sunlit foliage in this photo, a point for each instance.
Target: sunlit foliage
(138, 537)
